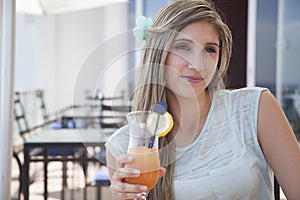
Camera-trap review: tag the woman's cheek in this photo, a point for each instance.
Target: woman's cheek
(170, 75)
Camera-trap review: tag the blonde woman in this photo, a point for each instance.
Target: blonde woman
(224, 144)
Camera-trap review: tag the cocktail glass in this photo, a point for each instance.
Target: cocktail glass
(143, 146)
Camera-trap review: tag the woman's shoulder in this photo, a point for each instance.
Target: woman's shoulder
(241, 93)
(237, 100)
(245, 90)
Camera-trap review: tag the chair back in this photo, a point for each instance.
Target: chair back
(29, 117)
(19, 115)
(113, 116)
(42, 105)
(113, 111)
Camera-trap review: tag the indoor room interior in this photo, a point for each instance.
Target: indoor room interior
(73, 69)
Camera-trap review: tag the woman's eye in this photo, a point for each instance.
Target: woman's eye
(182, 47)
(210, 50)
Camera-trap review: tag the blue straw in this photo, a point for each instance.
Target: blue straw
(160, 107)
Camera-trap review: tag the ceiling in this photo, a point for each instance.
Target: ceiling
(52, 7)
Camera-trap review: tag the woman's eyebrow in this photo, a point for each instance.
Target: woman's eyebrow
(183, 39)
(213, 44)
(191, 41)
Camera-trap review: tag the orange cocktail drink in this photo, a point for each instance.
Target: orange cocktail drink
(147, 161)
(143, 146)
(144, 129)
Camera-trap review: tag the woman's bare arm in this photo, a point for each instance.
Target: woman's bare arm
(279, 145)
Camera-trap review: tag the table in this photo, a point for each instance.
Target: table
(106, 116)
(62, 139)
(80, 117)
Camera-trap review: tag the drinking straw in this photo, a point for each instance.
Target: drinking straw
(160, 108)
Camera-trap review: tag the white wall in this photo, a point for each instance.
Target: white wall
(66, 54)
(25, 51)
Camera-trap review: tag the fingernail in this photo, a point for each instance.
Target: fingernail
(141, 195)
(129, 158)
(138, 195)
(143, 188)
(136, 172)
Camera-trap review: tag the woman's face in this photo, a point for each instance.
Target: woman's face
(192, 59)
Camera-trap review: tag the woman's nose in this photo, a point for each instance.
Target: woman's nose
(195, 61)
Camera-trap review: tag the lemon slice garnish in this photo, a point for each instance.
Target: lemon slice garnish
(164, 126)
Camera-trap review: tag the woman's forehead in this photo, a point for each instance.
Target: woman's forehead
(200, 32)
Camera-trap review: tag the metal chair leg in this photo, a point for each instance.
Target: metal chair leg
(15, 155)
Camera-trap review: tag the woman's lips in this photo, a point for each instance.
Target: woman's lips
(193, 79)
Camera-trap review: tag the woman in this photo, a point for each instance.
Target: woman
(224, 144)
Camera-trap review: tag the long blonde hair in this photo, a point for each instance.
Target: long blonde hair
(168, 22)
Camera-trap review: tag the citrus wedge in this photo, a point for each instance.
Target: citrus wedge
(164, 124)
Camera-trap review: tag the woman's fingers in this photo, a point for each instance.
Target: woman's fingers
(122, 190)
(122, 173)
(128, 195)
(122, 187)
(123, 160)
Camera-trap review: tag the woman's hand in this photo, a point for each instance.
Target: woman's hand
(119, 188)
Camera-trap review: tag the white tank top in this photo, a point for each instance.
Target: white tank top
(225, 161)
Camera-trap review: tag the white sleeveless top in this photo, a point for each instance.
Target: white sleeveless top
(225, 161)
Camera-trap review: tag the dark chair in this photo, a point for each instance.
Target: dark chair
(17, 158)
(288, 106)
(53, 119)
(40, 97)
(276, 189)
(113, 116)
(24, 131)
(56, 121)
(19, 114)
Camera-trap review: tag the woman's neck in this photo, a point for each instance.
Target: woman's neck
(189, 117)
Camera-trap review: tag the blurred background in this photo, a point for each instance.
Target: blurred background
(74, 51)
(53, 46)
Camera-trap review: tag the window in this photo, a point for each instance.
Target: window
(277, 54)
